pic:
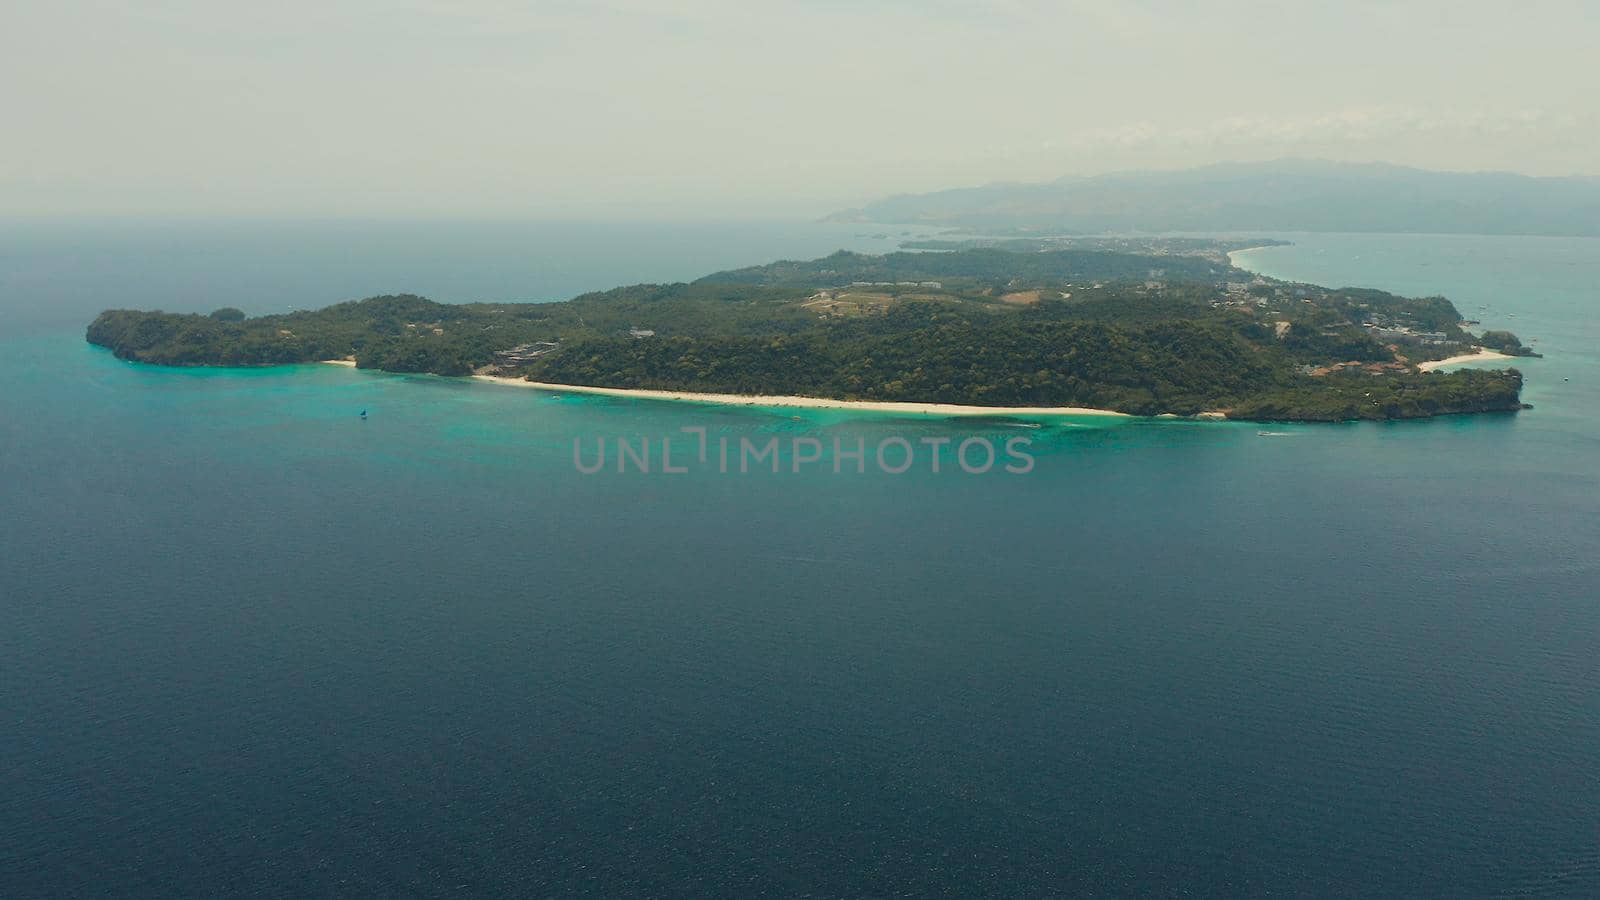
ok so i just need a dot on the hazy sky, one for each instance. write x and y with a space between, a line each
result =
617 108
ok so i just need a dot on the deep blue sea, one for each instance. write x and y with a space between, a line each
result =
251 644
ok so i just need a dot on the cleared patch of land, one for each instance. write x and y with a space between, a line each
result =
848 303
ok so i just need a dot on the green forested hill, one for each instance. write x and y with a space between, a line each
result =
977 266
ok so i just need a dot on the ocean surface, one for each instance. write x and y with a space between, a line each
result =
252 644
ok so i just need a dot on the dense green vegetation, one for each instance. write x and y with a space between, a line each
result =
1506 343
1405 396
930 352
1136 333
406 333
977 266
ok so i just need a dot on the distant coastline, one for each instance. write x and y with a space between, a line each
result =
1283 195
1247 250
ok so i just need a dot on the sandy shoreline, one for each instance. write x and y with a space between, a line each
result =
1480 356
1248 249
938 409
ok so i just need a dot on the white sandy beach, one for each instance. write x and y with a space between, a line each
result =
1480 356
1247 250
939 409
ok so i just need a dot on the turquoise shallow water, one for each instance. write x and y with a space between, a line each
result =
250 643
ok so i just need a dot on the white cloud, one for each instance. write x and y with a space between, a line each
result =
500 106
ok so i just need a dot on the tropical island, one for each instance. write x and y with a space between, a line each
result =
1173 329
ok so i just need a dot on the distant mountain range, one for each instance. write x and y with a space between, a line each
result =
1285 195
